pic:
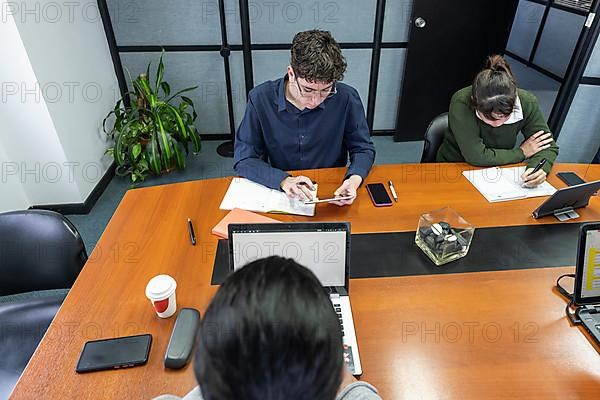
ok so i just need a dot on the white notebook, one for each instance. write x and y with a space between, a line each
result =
252 196
502 184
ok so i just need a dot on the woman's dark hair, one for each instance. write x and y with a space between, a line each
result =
269 333
317 57
494 89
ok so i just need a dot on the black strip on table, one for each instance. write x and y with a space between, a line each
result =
378 255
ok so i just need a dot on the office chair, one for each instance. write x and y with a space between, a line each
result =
41 255
433 137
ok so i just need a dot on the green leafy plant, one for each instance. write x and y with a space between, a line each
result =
151 134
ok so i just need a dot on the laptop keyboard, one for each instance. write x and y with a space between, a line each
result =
338 311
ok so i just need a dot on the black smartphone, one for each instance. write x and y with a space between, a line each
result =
570 178
123 352
379 195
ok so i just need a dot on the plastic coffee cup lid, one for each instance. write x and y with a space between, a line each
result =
160 287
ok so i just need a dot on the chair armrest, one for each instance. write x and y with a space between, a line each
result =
23 323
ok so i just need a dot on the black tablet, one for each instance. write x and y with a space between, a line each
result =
571 197
587 274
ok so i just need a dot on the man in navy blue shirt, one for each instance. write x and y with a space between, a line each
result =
305 120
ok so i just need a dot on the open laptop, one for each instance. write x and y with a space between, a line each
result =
587 279
322 247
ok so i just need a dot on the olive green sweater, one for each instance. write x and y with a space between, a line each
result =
470 139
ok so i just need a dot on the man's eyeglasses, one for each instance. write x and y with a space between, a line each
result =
323 94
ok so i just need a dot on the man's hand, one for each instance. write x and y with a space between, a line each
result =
298 187
532 180
536 143
348 188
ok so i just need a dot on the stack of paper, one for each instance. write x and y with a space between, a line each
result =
251 196
502 184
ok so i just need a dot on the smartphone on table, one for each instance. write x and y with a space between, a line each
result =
379 195
570 178
122 352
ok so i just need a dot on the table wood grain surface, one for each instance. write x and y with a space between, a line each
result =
484 335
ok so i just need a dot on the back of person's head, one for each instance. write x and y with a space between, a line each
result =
317 57
270 332
494 90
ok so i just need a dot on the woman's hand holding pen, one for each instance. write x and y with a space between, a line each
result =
536 143
533 179
534 176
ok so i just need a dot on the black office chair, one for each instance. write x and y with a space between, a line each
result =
434 135
41 255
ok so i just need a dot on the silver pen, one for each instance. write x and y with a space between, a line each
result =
394 195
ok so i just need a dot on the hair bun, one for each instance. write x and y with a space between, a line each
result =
496 63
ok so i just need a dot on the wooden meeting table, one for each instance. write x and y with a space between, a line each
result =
484 335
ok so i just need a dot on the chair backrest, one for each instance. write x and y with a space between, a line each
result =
433 137
39 250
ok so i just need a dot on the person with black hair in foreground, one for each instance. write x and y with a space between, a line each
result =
485 118
271 333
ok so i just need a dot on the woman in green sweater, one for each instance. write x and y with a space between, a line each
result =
484 120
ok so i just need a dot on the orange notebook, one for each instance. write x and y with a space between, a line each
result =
238 216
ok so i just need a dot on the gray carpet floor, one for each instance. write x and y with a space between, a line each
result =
209 164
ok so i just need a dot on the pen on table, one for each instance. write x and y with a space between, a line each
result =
191 230
394 195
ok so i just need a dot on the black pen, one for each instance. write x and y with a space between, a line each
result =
538 167
309 188
306 184
191 229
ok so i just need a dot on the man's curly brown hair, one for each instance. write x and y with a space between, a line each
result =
317 57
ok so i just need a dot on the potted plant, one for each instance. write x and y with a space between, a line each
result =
151 134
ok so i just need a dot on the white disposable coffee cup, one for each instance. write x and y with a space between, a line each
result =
161 292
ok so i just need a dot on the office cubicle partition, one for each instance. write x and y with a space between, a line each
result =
253 37
372 33
580 131
550 44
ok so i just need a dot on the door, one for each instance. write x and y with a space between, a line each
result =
448 44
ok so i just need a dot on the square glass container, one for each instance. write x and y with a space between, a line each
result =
444 235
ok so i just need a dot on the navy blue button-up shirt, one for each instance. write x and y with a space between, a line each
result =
275 136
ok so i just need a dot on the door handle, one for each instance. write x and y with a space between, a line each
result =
420 22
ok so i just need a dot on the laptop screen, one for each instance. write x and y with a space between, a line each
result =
320 248
590 277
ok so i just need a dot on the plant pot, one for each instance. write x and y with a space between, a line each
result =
171 168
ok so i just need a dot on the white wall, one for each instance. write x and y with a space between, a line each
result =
28 136
12 197
58 84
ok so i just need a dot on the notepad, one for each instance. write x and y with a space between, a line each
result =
251 196
503 184
237 216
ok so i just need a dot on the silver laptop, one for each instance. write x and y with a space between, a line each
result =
322 247
587 279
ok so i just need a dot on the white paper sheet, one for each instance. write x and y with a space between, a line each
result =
251 196
503 184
